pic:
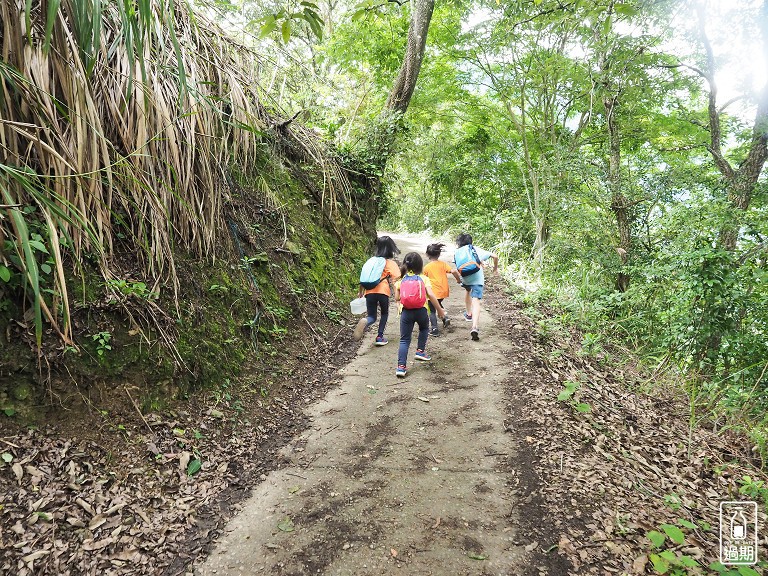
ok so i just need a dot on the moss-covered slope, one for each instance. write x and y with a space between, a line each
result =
283 265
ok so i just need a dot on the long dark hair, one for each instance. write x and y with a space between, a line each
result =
463 239
412 262
434 250
385 247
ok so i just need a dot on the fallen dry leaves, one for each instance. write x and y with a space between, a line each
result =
71 508
621 468
67 510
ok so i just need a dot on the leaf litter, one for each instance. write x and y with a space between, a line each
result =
615 470
150 503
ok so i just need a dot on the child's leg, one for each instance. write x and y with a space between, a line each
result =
384 305
468 302
432 316
475 312
477 295
371 303
406 330
422 318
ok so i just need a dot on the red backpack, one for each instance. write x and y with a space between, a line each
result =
413 292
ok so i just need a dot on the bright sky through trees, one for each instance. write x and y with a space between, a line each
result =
733 31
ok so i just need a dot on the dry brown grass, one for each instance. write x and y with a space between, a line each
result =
117 122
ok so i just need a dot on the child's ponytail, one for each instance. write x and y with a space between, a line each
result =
412 262
434 250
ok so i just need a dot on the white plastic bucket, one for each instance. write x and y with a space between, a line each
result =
358 306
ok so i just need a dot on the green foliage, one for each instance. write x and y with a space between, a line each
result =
753 488
669 561
132 288
736 571
102 340
284 19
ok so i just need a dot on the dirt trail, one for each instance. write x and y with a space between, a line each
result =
394 476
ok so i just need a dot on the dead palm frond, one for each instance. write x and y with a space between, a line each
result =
124 114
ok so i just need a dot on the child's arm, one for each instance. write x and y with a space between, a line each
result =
495 262
397 292
394 270
435 303
360 291
455 273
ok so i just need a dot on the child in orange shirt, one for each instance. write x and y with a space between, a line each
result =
437 271
378 298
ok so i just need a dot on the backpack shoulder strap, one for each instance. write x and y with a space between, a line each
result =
474 255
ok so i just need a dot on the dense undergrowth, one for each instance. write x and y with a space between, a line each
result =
161 231
625 328
277 259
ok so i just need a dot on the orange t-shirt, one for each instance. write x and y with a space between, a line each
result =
436 271
392 270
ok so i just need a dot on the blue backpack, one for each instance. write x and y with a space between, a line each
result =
467 260
373 268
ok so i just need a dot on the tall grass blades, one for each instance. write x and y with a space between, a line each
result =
121 119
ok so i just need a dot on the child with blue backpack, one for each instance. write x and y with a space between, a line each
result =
469 263
413 292
378 271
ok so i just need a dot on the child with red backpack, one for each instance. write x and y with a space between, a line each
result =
413 291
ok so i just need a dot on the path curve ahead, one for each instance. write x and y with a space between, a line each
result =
393 476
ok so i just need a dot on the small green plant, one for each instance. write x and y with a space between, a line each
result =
753 488
247 262
333 315
549 329
722 570
673 501
670 561
277 311
667 561
566 395
132 288
590 344
217 289
222 394
102 340
570 388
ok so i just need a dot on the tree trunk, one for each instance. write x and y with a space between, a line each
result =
740 182
405 83
540 243
619 202
382 138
